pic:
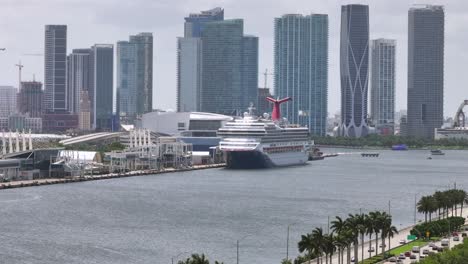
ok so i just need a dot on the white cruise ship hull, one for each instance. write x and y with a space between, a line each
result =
266 157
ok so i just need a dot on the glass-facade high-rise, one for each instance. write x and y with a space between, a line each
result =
229 69
189 59
103 77
188 74
382 90
126 80
301 69
354 70
78 78
135 76
55 54
425 70
144 71
194 23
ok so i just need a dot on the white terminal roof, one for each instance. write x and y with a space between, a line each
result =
209 116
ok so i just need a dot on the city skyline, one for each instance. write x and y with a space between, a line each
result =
258 24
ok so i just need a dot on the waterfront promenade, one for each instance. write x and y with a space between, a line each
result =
394 242
48 181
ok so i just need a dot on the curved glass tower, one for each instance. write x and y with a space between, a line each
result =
354 70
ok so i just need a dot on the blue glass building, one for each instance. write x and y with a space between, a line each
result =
301 69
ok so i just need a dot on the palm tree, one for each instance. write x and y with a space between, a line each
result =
340 244
391 231
361 228
385 222
352 225
424 206
374 218
318 236
329 247
370 226
307 244
433 207
196 259
465 200
338 226
439 196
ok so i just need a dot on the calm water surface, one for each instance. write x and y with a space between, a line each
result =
149 219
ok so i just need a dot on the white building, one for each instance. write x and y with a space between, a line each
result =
382 85
7 101
173 123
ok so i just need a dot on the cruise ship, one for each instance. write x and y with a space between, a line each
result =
261 142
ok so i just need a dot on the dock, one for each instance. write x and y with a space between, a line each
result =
49 181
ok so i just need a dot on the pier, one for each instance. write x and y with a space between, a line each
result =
71 179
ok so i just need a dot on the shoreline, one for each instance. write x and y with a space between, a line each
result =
389 148
72 179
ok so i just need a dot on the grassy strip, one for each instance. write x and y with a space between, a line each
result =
408 247
375 259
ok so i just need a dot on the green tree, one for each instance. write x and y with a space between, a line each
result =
307 244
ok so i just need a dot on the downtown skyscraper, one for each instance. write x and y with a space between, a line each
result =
135 76
382 85
354 70
229 68
80 86
425 70
217 65
55 54
189 59
301 69
102 74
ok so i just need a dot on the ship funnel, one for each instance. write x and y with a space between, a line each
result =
276 113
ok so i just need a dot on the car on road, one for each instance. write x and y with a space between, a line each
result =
422 256
440 249
445 242
382 246
415 249
464 235
399 261
402 242
456 238
425 251
371 249
392 259
402 256
352 259
413 256
407 254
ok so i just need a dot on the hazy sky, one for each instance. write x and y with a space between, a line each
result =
107 21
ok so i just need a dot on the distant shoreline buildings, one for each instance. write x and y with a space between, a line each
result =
217 72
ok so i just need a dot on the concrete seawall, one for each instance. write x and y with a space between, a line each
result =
48 181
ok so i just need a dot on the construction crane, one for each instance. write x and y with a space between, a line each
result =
20 67
265 75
